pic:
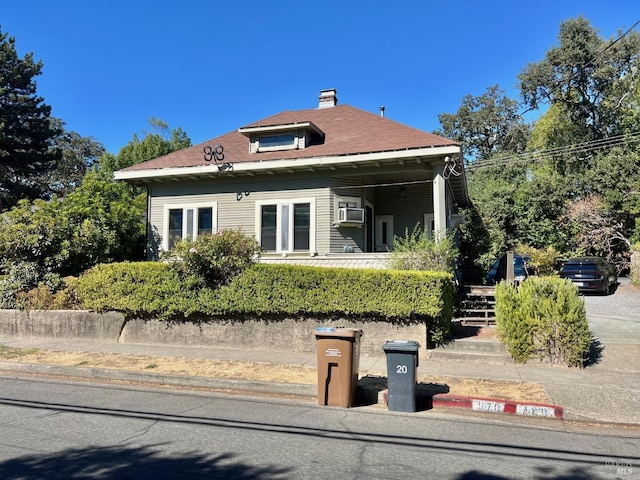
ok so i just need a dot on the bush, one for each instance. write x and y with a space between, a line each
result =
155 290
22 277
138 290
214 259
416 251
543 262
544 318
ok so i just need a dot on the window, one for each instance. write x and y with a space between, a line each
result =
275 141
187 222
286 226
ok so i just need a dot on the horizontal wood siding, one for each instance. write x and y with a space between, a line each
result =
406 210
236 209
343 236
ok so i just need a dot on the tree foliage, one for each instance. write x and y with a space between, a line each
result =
160 141
487 125
574 187
588 76
27 132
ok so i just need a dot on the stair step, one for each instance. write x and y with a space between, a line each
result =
470 356
475 345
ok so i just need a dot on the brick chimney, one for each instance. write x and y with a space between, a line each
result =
328 98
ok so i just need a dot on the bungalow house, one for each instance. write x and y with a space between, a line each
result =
329 183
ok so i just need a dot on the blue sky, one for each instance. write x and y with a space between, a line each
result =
213 66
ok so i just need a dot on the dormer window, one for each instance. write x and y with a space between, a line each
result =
271 138
277 142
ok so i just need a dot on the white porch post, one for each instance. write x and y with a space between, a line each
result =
439 202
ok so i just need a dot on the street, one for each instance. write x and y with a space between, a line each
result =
53 429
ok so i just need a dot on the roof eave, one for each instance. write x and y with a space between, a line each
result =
287 164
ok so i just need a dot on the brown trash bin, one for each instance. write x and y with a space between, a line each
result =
338 363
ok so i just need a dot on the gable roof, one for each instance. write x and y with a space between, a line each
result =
347 131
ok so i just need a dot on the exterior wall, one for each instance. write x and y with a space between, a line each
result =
235 199
406 210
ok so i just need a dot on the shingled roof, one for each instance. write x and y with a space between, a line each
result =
347 131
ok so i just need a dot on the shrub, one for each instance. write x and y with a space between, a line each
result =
155 290
543 262
22 277
214 259
416 251
143 290
543 317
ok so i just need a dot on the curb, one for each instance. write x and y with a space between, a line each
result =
485 405
439 400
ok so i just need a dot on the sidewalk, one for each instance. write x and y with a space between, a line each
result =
608 391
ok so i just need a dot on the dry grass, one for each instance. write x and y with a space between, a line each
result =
267 372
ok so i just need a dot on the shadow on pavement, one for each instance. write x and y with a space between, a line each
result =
595 352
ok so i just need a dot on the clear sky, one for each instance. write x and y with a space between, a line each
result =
211 66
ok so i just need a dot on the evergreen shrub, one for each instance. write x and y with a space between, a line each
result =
156 290
544 318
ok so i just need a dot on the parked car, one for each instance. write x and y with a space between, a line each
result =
498 271
590 274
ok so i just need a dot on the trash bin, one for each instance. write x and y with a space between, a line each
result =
402 374
338 362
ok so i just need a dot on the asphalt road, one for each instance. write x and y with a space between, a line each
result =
52 430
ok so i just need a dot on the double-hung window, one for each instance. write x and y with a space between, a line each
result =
187 222
286 226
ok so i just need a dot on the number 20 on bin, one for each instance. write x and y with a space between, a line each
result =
401 369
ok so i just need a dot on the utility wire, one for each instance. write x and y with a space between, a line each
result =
539 155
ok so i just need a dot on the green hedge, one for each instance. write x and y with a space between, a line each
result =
154 290
544 318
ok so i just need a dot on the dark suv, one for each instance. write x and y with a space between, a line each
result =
590 274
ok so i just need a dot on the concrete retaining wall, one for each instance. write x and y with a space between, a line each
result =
293 335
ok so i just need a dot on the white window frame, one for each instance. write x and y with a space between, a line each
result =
274 148
185 207
429 219
378 233
279 223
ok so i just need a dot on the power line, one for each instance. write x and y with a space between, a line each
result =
575 149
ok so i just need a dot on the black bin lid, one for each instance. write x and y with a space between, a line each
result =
401 346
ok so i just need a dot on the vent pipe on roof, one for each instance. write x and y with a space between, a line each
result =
382 111
328 98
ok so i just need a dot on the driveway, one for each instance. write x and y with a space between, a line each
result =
615 318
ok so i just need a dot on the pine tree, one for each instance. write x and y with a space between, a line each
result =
27 132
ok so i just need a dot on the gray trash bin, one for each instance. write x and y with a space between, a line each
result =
402 374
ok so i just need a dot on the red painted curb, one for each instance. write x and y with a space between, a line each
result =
491 405
495 405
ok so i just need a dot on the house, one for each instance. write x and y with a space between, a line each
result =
332 182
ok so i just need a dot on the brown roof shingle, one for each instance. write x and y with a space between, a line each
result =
347 130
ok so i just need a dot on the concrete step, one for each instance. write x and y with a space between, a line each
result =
475 345
443 355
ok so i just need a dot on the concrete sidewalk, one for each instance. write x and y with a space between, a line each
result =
607 391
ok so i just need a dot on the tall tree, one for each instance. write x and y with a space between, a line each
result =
27 133
78 155
160 141
487 125
589 78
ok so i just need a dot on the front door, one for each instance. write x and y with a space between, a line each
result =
384 233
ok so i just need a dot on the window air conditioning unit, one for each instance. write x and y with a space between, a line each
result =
351 215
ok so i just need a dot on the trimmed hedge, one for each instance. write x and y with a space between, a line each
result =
544 318
154 290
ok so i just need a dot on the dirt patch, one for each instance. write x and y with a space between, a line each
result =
266 372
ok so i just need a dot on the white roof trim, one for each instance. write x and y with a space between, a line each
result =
279 128
297 163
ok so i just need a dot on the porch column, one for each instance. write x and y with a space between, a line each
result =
439 202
